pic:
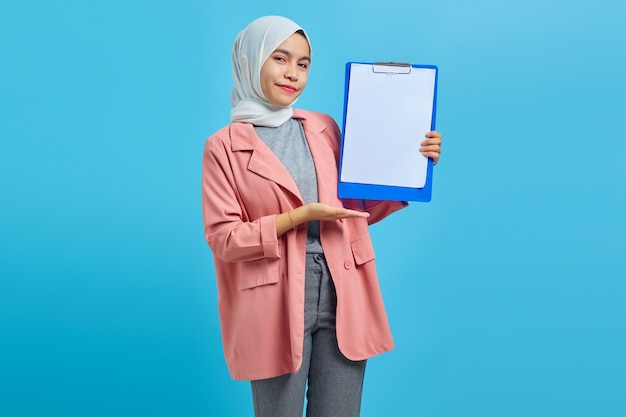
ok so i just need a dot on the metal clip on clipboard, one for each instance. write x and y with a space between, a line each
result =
391 68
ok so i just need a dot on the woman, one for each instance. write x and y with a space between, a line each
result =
299 298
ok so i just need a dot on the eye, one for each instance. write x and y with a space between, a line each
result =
279 59
303 65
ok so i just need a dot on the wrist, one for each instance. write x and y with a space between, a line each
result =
298 216
290 215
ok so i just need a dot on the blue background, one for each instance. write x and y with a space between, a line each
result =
506 293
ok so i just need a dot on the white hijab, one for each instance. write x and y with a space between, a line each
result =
252 47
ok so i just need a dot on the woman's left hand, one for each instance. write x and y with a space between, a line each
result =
431 146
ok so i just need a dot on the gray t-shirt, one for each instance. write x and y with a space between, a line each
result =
289 144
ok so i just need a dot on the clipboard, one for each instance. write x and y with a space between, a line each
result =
388 107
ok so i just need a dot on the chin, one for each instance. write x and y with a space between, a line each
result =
283 103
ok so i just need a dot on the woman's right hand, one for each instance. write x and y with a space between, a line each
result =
325 212
313 211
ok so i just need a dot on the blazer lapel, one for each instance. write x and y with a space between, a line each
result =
262 161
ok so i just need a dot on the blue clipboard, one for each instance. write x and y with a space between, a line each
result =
381 136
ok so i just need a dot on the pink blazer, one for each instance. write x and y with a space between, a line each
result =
260 278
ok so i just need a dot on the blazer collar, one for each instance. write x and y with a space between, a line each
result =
244 138
265 163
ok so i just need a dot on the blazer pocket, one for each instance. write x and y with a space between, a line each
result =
362 250
258 272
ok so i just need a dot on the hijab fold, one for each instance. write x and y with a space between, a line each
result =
252 47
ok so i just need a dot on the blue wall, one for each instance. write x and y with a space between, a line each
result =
506 293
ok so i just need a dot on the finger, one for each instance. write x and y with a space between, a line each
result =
432 155
430 150
354 213
433 134
431 141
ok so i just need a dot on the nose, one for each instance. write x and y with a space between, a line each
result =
291 73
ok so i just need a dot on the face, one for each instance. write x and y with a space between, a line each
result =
285 72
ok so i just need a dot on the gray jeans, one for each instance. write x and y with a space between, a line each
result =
335 383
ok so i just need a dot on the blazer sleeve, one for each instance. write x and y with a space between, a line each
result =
378 209
231 235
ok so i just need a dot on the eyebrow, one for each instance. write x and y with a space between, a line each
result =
286 52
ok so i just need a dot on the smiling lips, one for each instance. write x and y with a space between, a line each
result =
288 88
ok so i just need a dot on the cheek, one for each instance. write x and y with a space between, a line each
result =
265 74
265 83
264 88
304 79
